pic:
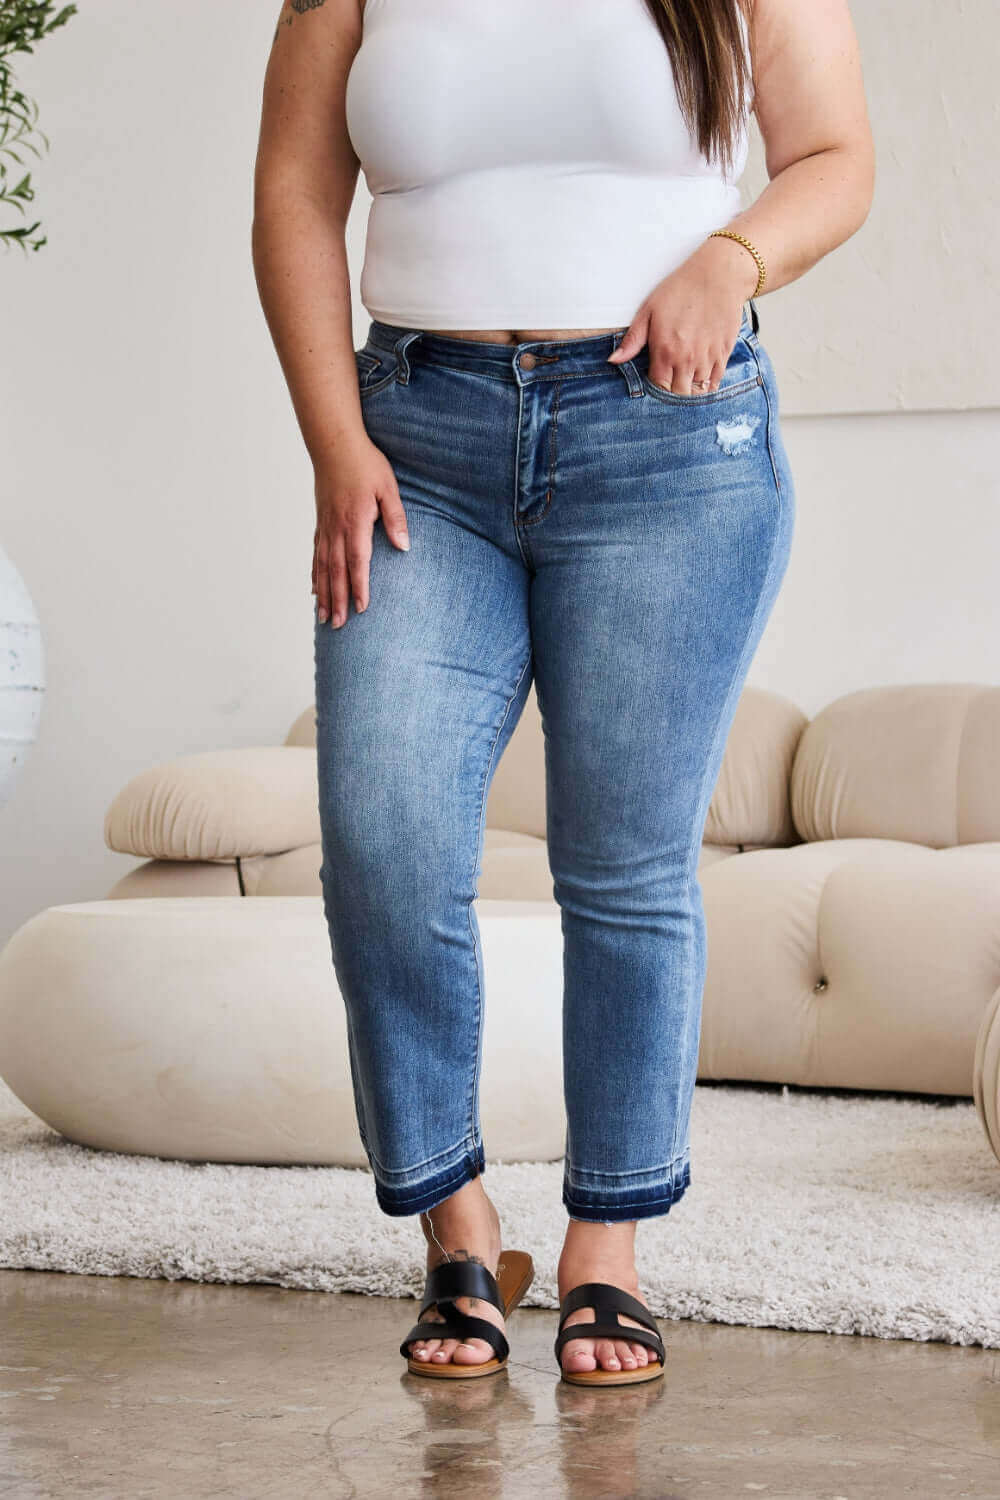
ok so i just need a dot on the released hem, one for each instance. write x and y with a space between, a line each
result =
468 1161
631 1201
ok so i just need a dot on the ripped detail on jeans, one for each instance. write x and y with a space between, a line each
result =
735 434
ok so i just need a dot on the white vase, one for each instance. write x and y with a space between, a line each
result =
22 674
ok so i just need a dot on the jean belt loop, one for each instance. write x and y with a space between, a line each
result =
627 369
400 347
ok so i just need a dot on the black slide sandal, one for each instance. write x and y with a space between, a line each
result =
608 1301
467 1278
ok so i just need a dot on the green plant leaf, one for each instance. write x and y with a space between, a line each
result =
22 24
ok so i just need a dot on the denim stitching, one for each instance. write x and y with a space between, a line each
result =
518 530
403 1200
704 795
710 398
553 447
767 398
380 385
475 946
629 1209
667 1167
462 1145
633 1207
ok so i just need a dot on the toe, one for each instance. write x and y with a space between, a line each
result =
446 1348
626 1358
641 1353
578 1354
605 1352
475 1352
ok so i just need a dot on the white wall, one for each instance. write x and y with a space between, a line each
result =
155 495
902 316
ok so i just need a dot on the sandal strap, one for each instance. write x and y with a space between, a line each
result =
608 1301
461 1278
610 1331
457 1325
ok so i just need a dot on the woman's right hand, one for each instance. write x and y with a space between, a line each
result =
352 492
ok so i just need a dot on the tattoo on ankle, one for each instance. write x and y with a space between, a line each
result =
467 1255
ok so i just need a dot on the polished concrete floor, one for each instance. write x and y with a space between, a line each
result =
122 1387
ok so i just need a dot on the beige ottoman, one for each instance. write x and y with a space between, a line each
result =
212 1029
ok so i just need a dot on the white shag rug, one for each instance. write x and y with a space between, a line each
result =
831 1212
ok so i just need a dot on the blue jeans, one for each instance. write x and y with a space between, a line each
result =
576 526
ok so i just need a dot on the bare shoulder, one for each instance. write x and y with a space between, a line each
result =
808 83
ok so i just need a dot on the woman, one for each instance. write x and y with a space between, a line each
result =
556 460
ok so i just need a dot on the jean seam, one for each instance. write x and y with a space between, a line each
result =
704 795
519 536
767 398
461 1175
365 391
553 454
713 398
387 1172
472 933
631 1203
666 1168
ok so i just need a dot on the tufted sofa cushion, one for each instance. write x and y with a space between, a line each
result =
218 805
916 762
852 963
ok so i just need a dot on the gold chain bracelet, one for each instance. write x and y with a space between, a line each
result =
761 271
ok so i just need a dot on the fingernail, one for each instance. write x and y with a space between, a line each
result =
322 616
405 544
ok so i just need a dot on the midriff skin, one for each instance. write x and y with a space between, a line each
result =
521 335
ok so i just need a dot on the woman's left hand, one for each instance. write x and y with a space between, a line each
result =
691 319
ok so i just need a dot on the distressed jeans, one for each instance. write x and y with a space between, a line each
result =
575 526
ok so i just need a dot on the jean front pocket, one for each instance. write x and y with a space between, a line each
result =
377 368
740 375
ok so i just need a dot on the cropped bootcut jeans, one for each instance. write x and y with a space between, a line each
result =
577 526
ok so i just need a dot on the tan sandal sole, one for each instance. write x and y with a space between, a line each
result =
515 1273
614 1377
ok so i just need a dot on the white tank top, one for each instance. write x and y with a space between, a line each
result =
528 163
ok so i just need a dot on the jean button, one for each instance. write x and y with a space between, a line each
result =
528 361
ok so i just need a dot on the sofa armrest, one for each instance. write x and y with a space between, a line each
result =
219 804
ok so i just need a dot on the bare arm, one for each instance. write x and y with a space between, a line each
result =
810 106
305 178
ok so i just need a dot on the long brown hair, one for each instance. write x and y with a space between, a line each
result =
712 70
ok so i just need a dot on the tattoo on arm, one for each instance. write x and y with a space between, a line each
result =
300 7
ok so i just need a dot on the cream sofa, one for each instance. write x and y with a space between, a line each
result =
851 881
850 872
